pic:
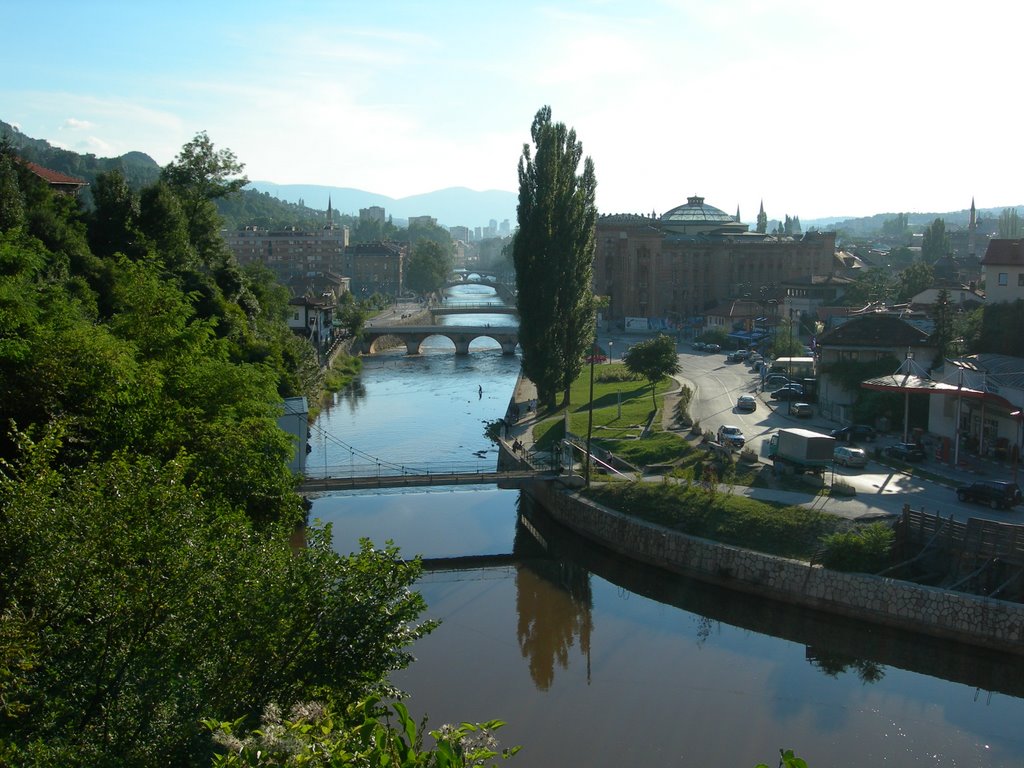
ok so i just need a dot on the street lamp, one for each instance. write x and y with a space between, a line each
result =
590 413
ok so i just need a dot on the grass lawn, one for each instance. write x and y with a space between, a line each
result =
775 529
622 407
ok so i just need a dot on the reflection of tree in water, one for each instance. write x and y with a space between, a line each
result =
835 664
353 394
553 603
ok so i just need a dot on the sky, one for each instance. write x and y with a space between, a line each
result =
817 108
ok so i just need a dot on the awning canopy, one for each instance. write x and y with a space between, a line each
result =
911 384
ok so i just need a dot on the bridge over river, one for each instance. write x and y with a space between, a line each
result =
460 335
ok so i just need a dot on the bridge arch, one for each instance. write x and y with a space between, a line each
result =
460 335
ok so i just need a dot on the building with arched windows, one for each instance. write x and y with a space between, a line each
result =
674 268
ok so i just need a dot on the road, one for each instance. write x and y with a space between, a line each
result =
717 383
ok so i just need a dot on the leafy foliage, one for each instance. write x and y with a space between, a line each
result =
148 572
865 551
553 253
314 736
428 267
737 520
654 359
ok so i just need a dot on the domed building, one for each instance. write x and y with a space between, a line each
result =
677 268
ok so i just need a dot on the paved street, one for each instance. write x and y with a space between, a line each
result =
880 488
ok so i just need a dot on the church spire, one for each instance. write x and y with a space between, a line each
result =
972 229
330 214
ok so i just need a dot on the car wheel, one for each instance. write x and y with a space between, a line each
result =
961 495
994 504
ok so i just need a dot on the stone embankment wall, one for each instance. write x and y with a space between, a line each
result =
979 621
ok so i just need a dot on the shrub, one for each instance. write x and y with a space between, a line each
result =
861 551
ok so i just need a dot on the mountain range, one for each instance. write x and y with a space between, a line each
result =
454 206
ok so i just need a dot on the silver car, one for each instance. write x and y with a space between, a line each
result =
849 456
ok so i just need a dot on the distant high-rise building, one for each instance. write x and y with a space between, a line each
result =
373 213
459 233
506 228
422 221
478 233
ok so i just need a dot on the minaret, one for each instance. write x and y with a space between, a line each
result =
972 229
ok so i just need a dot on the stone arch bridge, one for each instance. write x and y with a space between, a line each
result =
460 335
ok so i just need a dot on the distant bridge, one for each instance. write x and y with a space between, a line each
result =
460 335
476 308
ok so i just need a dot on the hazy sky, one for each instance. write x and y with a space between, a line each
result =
819 108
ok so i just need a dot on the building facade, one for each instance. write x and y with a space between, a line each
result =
673 268
1003 267
290 253
375 268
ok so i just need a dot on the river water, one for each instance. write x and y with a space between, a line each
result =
593 661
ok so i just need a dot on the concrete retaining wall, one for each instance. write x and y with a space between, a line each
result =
980 621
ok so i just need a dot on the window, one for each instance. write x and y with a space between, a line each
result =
1003 278
1020 279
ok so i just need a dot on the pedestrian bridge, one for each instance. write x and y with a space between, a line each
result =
384 474
460 335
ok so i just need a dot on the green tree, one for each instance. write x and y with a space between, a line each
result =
936 242
199 175
943 332
12 208
654 359
896 228
113 225
553 254
1010 225
873 285
149 606
428 268
914 279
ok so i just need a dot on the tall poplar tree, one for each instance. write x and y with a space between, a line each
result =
553 254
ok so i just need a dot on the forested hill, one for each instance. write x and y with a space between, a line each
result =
148 576
249 207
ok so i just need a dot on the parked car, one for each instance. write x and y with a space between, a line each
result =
849 456
854 433
803 410
699 345
998 494
776 380
746 403
788 392
905 452
713 347
731 436
738 356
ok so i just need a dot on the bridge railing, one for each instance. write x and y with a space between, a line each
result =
392 470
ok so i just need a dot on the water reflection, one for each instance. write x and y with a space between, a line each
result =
833 644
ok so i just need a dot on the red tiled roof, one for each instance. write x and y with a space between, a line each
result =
1004 252
53 177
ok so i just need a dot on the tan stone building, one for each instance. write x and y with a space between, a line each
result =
289 253
673 268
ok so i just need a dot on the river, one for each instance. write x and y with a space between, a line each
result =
594 661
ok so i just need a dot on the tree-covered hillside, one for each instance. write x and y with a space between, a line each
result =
148 577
